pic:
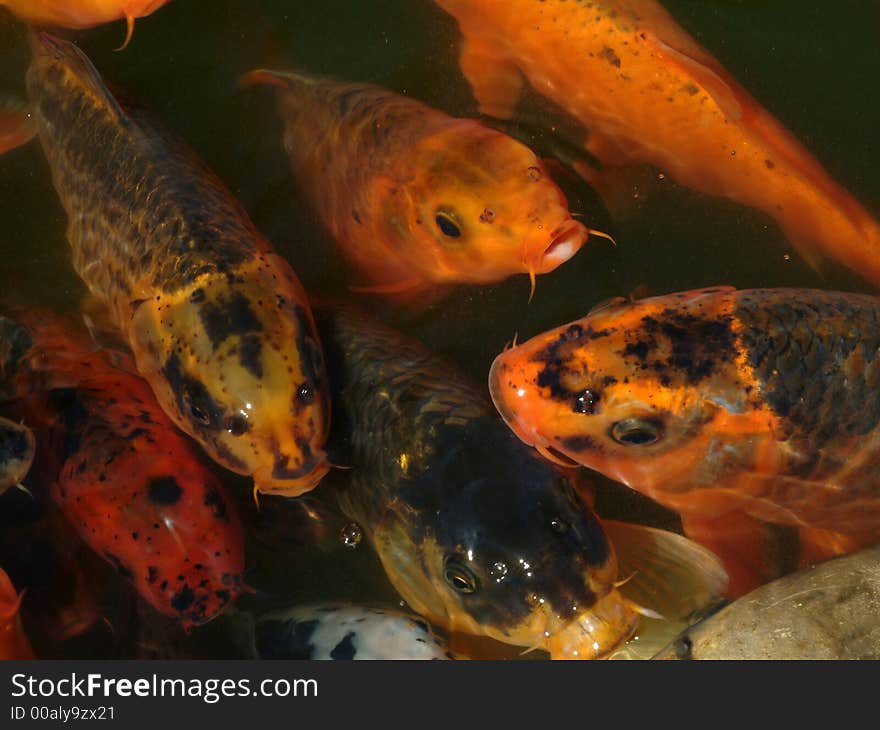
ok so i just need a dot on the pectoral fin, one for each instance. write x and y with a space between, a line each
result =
663 571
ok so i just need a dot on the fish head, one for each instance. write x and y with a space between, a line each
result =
236 362
653 393
500 544
141 497
477 206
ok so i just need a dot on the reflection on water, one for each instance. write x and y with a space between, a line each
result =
812 67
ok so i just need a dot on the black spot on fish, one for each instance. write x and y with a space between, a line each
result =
345 648
215 501
698 345
250 354
152 574
639 349
609 55
164 490
223 596
579 444
183 599
193 399
132 435
226 318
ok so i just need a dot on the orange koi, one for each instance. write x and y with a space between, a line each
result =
649 93
416 199
81 14
736 408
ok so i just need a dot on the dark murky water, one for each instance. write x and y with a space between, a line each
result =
815 68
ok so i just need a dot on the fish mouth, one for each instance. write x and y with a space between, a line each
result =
566 241
305 479
598 632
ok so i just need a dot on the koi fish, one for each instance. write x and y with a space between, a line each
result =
343 632
218 322
735 408
81 14
477 534
827 611
649 93
14 643
416 199
131 485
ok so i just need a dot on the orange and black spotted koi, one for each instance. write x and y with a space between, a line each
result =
133 487
736 408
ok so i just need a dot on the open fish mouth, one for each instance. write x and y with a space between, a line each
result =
598 632
268 481
566 241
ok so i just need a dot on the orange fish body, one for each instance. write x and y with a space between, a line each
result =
132 486
81 14
735 408
649 93
416 199
13 642
218 322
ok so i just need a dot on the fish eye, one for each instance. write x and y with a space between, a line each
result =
459 576
446 223
637 431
